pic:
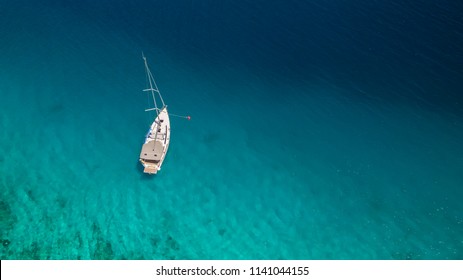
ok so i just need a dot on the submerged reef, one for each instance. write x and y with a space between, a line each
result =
103 249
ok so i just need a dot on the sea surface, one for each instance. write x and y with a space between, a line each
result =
319 129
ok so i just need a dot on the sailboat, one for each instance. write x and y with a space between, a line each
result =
154 149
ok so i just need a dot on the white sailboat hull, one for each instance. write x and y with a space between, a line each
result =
156 144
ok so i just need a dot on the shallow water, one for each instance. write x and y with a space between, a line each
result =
318 131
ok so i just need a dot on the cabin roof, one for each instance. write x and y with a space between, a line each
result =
152 150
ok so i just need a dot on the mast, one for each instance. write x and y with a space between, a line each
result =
152 87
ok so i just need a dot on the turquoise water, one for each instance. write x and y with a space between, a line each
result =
302 144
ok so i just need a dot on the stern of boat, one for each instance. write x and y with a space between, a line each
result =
149 168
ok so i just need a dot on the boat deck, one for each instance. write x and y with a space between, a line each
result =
150 169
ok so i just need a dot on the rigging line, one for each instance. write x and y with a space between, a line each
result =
178 116
150 77
150 114
157 89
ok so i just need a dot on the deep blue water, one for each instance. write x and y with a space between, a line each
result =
319 130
